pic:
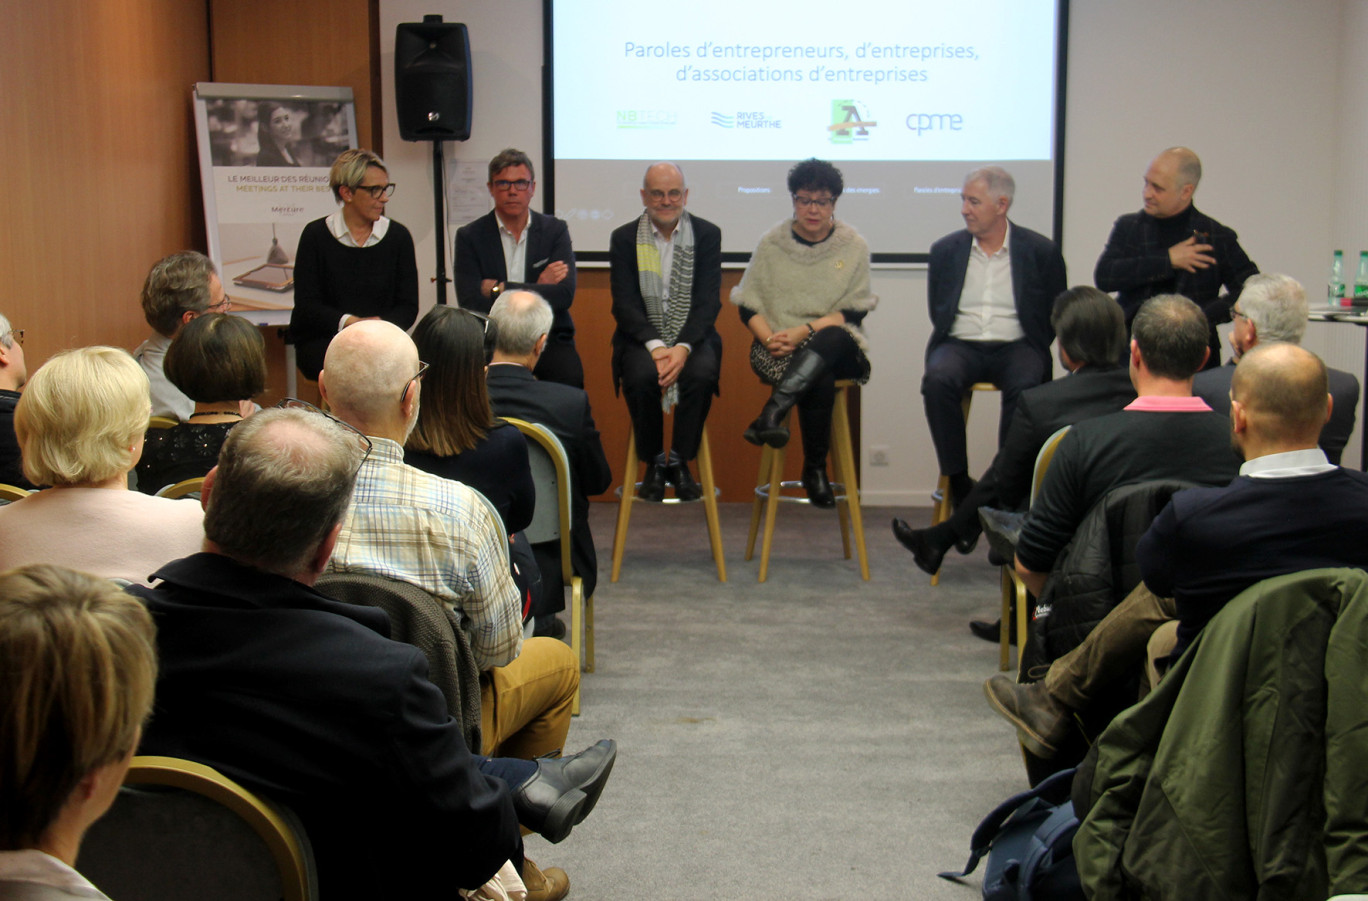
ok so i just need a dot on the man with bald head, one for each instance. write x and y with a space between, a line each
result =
415 527
1289 510
1169 247
667 283
1272 308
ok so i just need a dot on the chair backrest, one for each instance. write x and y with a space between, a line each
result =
551 475
1047 452
420 619
162 422
11 493
180 829
182 489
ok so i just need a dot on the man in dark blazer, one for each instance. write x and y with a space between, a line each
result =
1092 347
1272 308
666 340
524 320
307 700
1171 248
990 288
513 247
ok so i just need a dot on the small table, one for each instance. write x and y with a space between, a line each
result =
1350 316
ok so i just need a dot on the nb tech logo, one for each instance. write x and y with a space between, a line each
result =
850 122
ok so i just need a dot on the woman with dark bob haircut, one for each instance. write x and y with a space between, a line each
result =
457 436
78 666
803 296
219 362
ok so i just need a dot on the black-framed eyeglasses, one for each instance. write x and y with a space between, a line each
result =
378 191
15 334
223 306
521 184
422 371
821 203
294 403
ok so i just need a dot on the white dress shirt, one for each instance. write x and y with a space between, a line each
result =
987 307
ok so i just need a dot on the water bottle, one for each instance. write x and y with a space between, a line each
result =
1361 280
1335 287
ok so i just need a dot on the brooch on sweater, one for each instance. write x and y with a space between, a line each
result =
840 264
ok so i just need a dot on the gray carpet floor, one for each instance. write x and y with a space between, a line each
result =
812 737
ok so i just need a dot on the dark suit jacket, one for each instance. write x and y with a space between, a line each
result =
1045 409
306 700
514 392
479 255
1038 277
1213 386
1135 264
629 309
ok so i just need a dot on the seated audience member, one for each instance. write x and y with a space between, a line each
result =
13 374
1273 308
179 288
1092 349
434 533
457 436
219 362
80 425
1166 433
1289 510
523 321
304 699
80 664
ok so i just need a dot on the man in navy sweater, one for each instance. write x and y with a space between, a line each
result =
1289 510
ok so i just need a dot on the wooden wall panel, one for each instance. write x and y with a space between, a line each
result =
310 42
99 142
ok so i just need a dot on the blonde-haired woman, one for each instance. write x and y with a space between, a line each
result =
80 667
80 424
355 264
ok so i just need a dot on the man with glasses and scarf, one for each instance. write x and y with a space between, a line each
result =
667 282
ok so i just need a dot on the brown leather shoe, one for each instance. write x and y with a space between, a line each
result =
550 884
1042 723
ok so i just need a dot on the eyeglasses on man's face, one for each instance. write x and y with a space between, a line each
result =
521 184
16 335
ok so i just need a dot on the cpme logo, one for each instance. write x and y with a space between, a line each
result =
850 122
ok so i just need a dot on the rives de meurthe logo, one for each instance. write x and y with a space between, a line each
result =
746 119
850 122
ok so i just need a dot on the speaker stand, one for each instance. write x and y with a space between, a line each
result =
439 208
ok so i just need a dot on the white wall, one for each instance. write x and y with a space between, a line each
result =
1252 85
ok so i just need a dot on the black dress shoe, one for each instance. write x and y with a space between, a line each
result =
967 545
563 790
653 485
818 487
928 557
686 489
992 631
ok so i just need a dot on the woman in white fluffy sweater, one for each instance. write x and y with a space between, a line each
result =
803 297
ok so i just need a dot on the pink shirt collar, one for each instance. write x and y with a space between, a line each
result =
1154 404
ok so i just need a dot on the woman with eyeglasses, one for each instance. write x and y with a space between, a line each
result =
804 296
355 264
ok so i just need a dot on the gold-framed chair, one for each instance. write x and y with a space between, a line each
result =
183 488
942 501
162 845
629 497
1013 589
770 486
162 422
551 519
10 493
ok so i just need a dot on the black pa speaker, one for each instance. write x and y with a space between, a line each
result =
432 80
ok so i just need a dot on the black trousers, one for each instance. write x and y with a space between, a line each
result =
641 389
843 359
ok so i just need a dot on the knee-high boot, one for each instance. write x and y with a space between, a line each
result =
816 424
803 371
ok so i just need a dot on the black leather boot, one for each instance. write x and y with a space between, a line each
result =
803 370
817 485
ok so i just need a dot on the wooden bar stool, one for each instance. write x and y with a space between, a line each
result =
769 488
705 475
942 501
